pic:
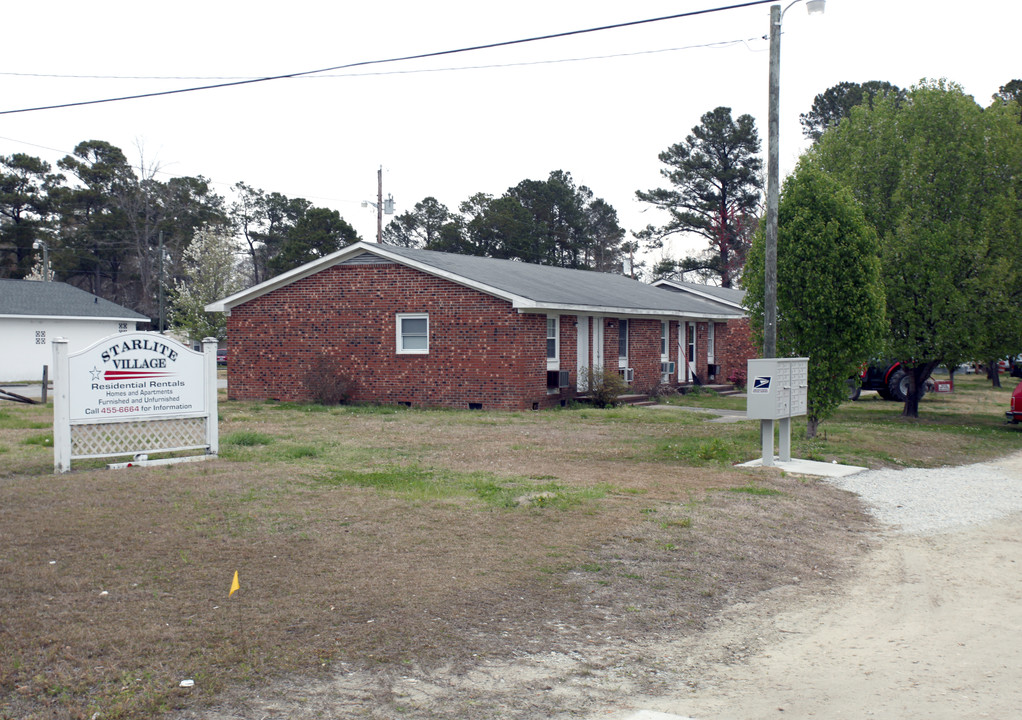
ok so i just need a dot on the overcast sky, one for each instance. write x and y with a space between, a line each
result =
601 106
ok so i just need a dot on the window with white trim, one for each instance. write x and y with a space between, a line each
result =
622 338
552 337
412 333
664 334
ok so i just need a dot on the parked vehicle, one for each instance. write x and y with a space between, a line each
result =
1015 413
889 379
221 357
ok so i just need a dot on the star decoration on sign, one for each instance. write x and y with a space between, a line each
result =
97 374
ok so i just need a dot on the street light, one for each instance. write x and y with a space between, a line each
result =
773 182
46 257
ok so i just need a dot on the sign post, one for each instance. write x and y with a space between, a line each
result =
132 393
778 390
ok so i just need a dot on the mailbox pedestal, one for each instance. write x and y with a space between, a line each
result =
777 390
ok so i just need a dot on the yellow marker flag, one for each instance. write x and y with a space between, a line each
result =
234 584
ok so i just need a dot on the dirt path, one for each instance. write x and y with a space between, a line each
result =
930 628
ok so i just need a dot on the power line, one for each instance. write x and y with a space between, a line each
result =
555 61
366 63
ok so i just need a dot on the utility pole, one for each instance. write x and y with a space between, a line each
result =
161 282
770 236
379 205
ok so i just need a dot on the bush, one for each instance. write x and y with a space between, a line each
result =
737 378
604 388
326 383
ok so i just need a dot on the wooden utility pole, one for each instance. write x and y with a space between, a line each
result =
379 205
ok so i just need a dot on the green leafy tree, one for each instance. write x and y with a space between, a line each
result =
932 177
92 226
316 232
25 184
548 222
716 184
836 103
212 274
421 227
830 300
1011 92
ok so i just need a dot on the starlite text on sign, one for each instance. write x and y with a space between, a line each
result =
111 353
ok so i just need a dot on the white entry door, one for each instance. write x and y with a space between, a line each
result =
582 354
690 351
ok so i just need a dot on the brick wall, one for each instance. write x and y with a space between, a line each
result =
481 351
734 346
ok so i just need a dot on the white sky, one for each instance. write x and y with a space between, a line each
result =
451 134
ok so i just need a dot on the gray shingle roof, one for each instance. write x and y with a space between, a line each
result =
729 295
529 287
56 299
548 285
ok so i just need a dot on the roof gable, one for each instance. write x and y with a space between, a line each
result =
729 297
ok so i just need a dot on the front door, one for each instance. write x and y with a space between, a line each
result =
690 351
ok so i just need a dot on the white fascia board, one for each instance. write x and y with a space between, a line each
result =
74 317
621 312
340 256
703 295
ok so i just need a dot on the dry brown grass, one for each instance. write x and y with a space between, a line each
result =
383 539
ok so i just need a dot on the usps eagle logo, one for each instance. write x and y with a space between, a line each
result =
761 384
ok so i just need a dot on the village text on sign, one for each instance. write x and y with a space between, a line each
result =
135 376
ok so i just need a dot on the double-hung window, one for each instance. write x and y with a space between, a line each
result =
553 349
412 334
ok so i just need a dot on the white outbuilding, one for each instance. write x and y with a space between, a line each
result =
33 312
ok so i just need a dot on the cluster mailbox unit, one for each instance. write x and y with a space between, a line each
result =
777 390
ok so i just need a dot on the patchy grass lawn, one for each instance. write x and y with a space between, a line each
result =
385 538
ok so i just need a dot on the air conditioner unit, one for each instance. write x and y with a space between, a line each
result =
627 373
556 379
667 368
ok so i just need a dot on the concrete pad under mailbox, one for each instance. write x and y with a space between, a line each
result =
809 467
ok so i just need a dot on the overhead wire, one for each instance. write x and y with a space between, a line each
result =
366 63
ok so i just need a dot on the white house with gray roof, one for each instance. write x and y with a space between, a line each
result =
423 327
32 313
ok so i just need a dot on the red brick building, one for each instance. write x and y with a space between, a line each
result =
733 345
427 328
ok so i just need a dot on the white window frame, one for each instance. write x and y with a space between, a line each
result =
710 342
399 341
665 337
623 331
554 321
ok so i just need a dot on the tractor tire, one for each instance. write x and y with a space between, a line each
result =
897 386
854 390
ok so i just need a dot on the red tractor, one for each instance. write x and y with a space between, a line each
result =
889 380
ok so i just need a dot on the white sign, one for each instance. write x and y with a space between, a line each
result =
133 376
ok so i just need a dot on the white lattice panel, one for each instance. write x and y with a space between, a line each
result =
105 439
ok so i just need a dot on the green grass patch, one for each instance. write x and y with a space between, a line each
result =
298 452
12 421
44 439
754 490
248 438
700 451
418 483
